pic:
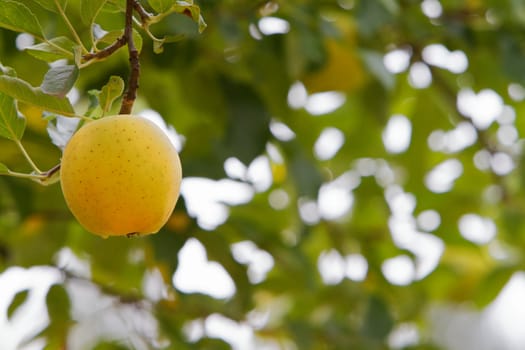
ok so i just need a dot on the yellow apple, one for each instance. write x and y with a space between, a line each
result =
121 175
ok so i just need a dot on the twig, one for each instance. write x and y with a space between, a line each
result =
133 82
109 50
51 171
144 15
106 51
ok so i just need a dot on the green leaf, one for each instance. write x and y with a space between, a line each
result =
374 62
109 345
492 284
3 169
378 322
372 15
59 80
53 49
158 45
160 5
115 6
110 37
50 5
77 53
18 300
248 130
11 125
93 111
110 92
58 308
137 40
21 90
19 18
306 175
194 12
90 9
186 8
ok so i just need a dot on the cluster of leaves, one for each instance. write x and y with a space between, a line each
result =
223 91
73 55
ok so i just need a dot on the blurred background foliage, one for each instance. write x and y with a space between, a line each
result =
353 178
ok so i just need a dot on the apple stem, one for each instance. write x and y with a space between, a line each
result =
133 82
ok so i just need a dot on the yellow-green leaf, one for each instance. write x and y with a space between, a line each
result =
58 308
19 299
21 90
12 126
110 37
19 18
492 284
186 8
110 92
50 4
3 169
158 45
53 49
161 5
90 9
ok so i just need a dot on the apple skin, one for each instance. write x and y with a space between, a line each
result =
120 175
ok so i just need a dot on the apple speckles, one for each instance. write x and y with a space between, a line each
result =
128 174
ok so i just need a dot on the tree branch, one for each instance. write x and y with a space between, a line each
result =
123 40
133 82
144 15
106 51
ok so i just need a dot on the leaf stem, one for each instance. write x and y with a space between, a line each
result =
44 178
52 171
24 175
133 82
27 157
70 26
